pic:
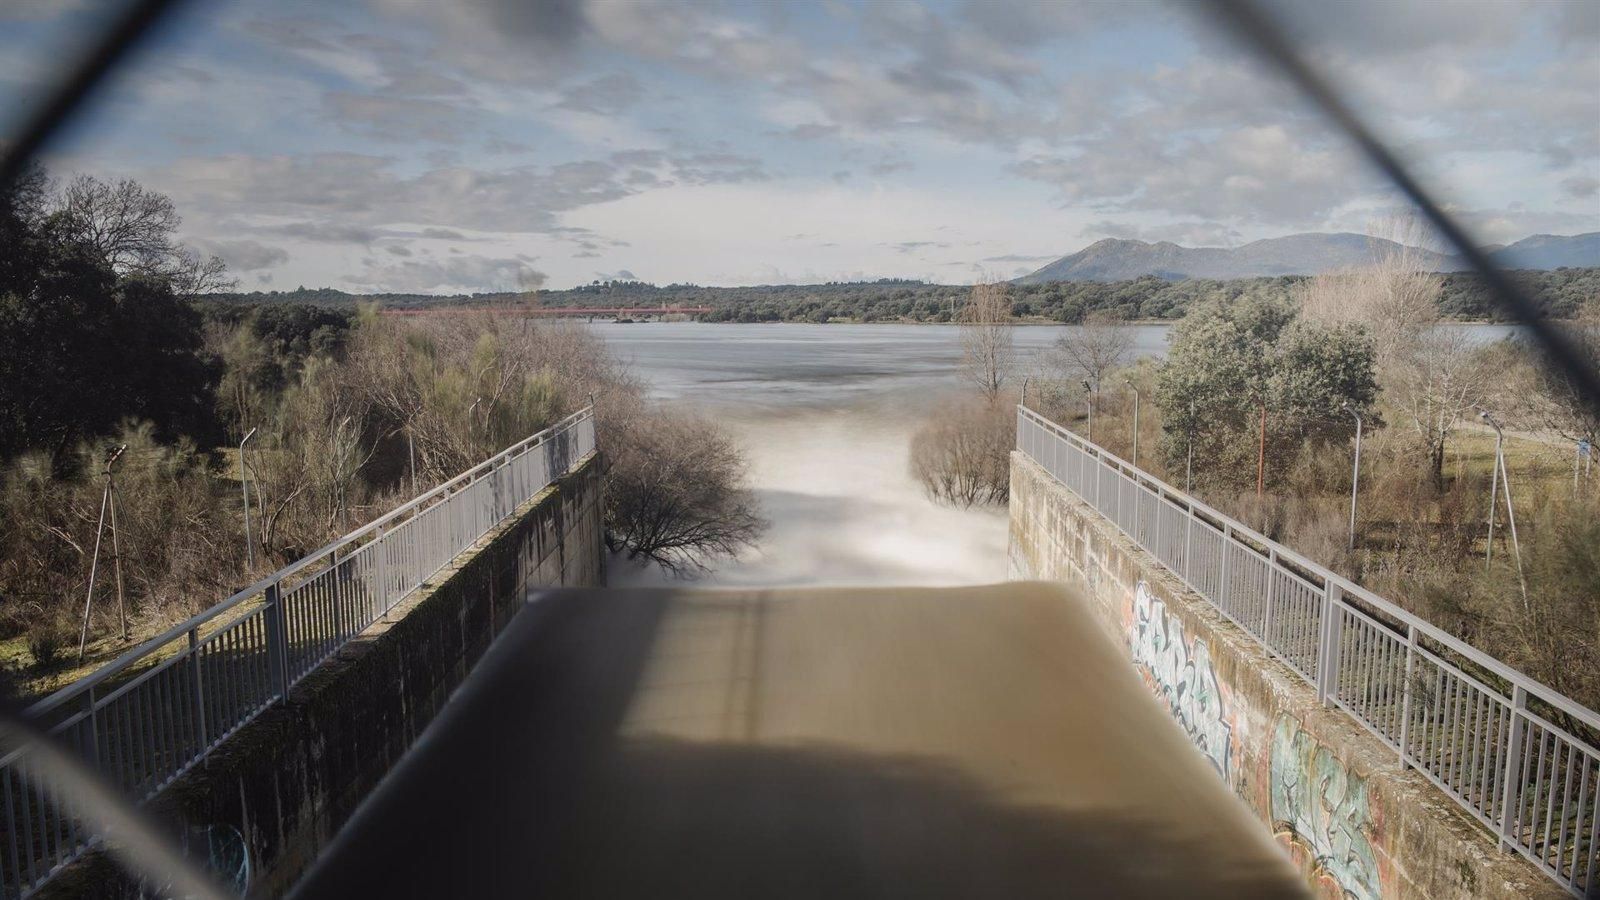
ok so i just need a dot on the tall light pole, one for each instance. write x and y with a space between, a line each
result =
1136 398
244 486
1355 472
1088 398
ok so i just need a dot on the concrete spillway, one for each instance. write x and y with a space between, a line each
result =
976 742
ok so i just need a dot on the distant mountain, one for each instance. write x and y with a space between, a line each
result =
1116 259
1551 251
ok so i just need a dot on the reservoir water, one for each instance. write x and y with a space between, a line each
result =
826 413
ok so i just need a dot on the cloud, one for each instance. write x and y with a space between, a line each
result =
465 273
1017 257
242 255
607 95
350 194
1581 187
329 232
1189 234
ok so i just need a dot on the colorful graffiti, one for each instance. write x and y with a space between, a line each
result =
1181 673
1323 810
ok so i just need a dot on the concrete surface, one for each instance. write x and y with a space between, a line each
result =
264 804
1354 820
964 742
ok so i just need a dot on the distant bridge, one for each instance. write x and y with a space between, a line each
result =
588 312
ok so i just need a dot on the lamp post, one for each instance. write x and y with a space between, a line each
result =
244 487
1136 398
1355 473
1088 399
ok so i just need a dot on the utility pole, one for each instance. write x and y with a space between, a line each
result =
1355 473
112 456
1511 512
116 548
1136 399
244 487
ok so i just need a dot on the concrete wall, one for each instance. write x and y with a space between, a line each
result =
258 810
1338 800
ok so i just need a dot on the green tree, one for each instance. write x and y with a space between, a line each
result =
1232 360
82 347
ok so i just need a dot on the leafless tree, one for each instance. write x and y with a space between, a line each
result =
134 230
1102 343
1432 372
1554 402
962 454
675 492
988 355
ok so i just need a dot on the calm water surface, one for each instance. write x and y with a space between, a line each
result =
826 414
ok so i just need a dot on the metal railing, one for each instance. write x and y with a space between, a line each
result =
158 709
1518 756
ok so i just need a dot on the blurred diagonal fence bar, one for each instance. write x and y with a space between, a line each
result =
1517 755
150 715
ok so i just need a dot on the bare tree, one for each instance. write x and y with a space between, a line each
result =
675 492
1090 351
1433 373
134 230
988 356
962 454
1555 402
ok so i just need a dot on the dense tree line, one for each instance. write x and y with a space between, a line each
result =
1560 293
108 339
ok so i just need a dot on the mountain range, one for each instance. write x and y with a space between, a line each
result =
1120 259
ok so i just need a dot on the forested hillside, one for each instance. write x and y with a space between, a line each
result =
1559 292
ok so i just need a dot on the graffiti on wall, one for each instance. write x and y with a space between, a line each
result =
1180 672
220 850
1323 811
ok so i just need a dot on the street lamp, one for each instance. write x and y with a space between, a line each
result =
1355 472
244 487
1136 399
1088 399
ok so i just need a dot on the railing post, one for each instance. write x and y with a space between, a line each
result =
1328 655
1221 600
1137 505
94 730
277 642
1511 790
1272 586
1188 542
202 736
380 570
336 594
1405 696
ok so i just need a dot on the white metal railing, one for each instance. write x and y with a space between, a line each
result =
158 709
1518 756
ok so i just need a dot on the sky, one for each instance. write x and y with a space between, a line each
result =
492 145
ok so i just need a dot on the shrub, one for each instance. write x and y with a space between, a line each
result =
962 456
